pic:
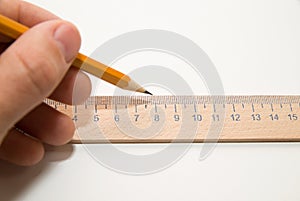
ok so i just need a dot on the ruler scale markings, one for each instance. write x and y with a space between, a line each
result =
248 126
95 108
272 109
135 108
202 99
75 109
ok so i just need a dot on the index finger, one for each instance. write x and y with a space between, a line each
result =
23 12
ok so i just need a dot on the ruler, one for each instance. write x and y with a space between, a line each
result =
164 119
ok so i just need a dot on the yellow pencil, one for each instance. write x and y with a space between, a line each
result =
13 29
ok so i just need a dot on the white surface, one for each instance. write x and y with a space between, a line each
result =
255 47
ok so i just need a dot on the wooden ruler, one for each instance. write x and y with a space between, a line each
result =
140 119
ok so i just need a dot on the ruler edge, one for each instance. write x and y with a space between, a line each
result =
223 141
200 99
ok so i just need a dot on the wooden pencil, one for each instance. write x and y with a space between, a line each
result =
13 29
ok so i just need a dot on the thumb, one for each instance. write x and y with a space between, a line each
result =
32 67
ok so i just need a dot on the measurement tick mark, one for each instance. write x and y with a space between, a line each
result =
291 107
272 107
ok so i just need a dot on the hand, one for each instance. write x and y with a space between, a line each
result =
36 66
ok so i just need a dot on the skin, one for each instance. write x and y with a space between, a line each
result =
34 67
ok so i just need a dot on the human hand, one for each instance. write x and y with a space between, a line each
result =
36 66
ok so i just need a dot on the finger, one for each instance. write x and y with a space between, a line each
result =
74 89
23 12
21 149
32 67
48 125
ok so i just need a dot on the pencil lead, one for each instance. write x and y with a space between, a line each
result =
147 92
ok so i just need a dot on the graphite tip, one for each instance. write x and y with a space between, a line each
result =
147 92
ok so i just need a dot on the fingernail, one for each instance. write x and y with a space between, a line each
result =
68 41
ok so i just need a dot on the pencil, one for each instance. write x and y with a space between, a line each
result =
13 29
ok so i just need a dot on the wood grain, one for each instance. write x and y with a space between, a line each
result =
158 119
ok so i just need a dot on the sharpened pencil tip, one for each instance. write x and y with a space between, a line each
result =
147 92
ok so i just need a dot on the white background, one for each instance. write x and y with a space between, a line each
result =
255 47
